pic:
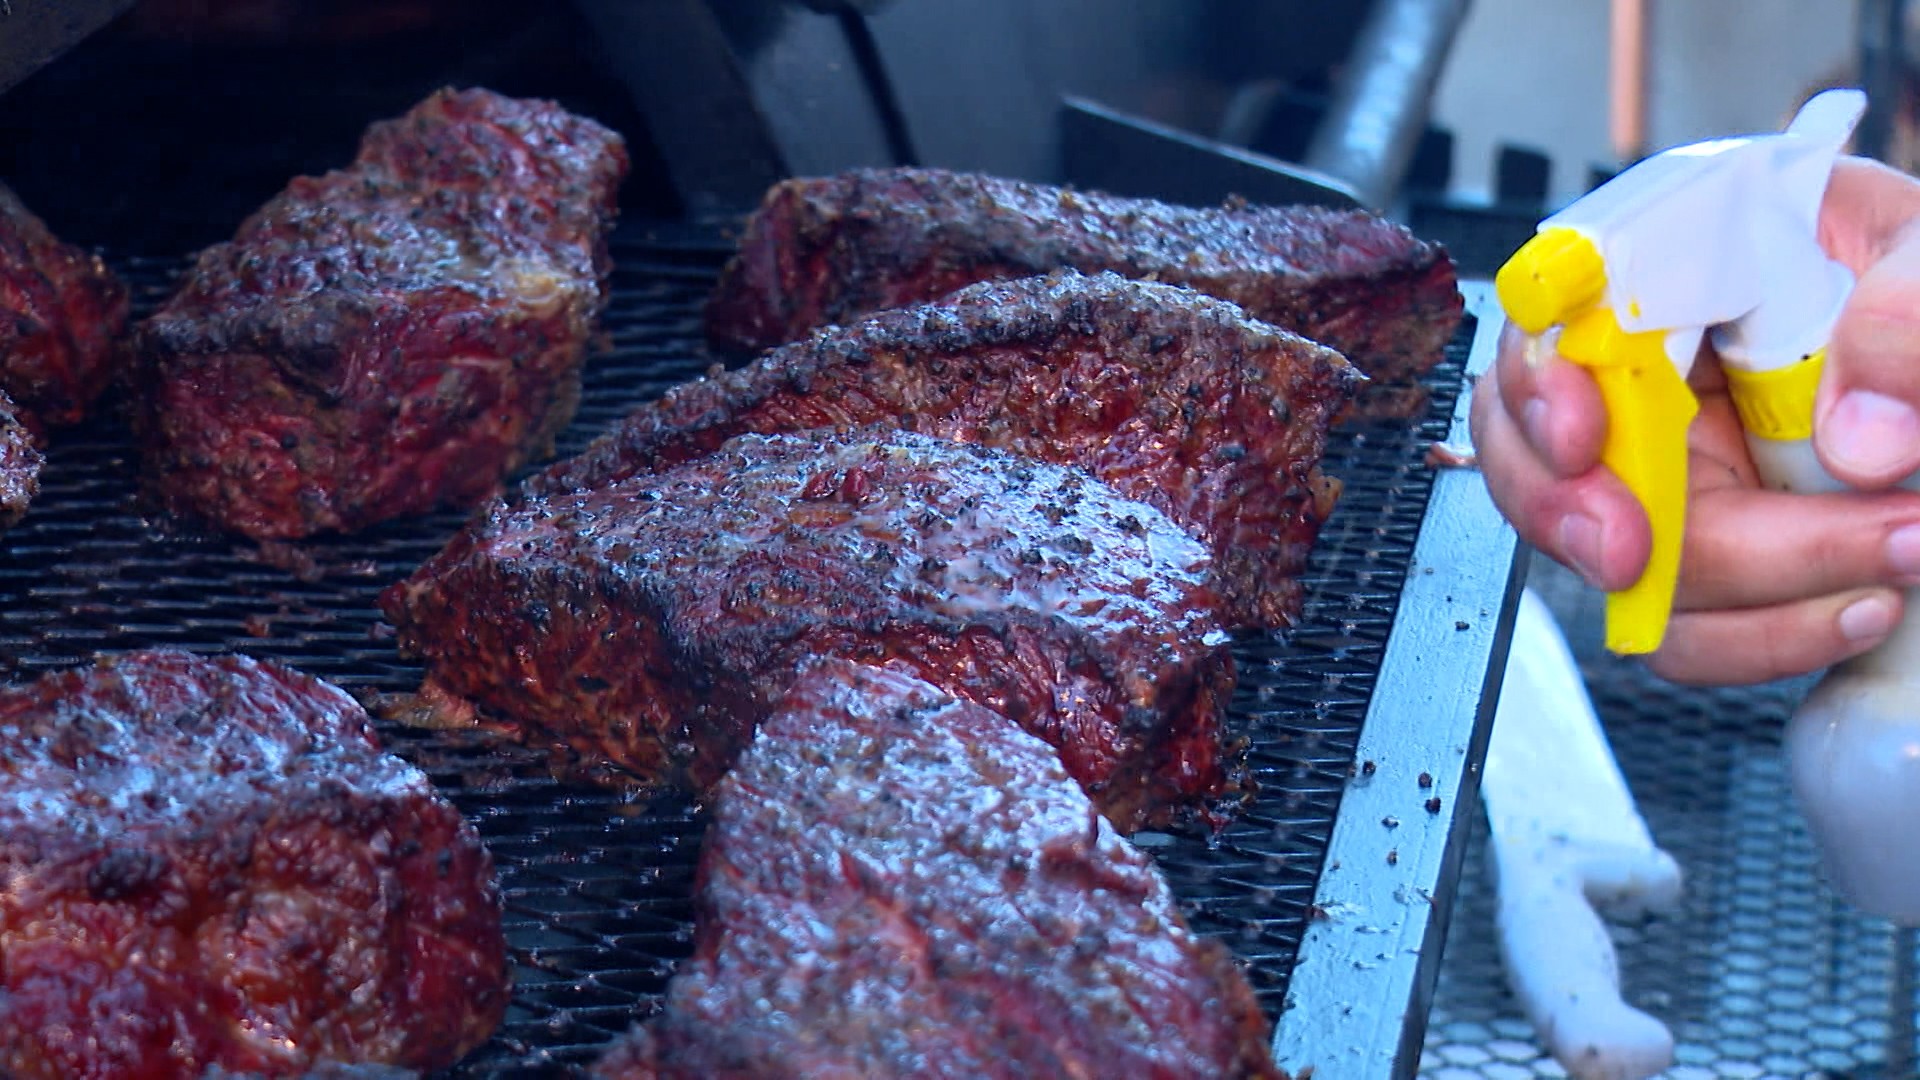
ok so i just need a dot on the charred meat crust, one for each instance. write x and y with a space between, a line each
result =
63 316
828 250
901 883
389 337
20 462
209 861
1172 397
650 623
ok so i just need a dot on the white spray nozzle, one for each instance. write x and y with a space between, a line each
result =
1712 233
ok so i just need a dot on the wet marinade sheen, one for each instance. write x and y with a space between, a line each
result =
900 883
209 861
650 623
62 316
831 249
389 337
1173 398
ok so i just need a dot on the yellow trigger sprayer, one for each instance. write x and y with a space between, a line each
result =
1714 237
1721 238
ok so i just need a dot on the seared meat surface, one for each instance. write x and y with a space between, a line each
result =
650 623
392 336
899 883
1173 398
210 862
62 314
20 462
828 250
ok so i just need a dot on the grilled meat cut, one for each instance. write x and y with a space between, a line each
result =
899 883
209 861
62 319
649 623
392 336
20 462
828 250
1173 398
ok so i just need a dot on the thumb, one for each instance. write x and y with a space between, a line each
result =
1867 414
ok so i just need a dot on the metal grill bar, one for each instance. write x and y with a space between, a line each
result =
1763 971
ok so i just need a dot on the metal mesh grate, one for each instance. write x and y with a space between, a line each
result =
598 887
1762 972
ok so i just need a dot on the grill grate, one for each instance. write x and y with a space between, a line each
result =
1762 971
598 886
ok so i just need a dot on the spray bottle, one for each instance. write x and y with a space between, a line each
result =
1621 274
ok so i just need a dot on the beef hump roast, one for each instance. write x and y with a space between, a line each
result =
898 882
390 337
649 624
63 318
209 863
1170 396
825 250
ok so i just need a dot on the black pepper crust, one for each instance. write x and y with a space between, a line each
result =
828 250
900 883
210 864
649 624
1172 397
63 317
390 337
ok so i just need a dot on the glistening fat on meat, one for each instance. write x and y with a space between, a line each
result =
210 863
1172 397
831 249
649 624
389 337
901 883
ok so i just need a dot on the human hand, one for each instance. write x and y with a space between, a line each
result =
1771 584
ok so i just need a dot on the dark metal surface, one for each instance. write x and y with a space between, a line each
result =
1103 149
699 105
1385 895
743 93
979 80
1762 971
597 887
1881 37
1381 104
847 7
34 32
821 100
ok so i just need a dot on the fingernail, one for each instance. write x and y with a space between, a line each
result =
1533 418
1580 545
1534 350
1867 619
1871 433
1537 349
1903 551
1511 337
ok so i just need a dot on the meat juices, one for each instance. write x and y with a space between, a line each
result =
651 623
209 861
390 337
899 883
62 316
1172 397
829 250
